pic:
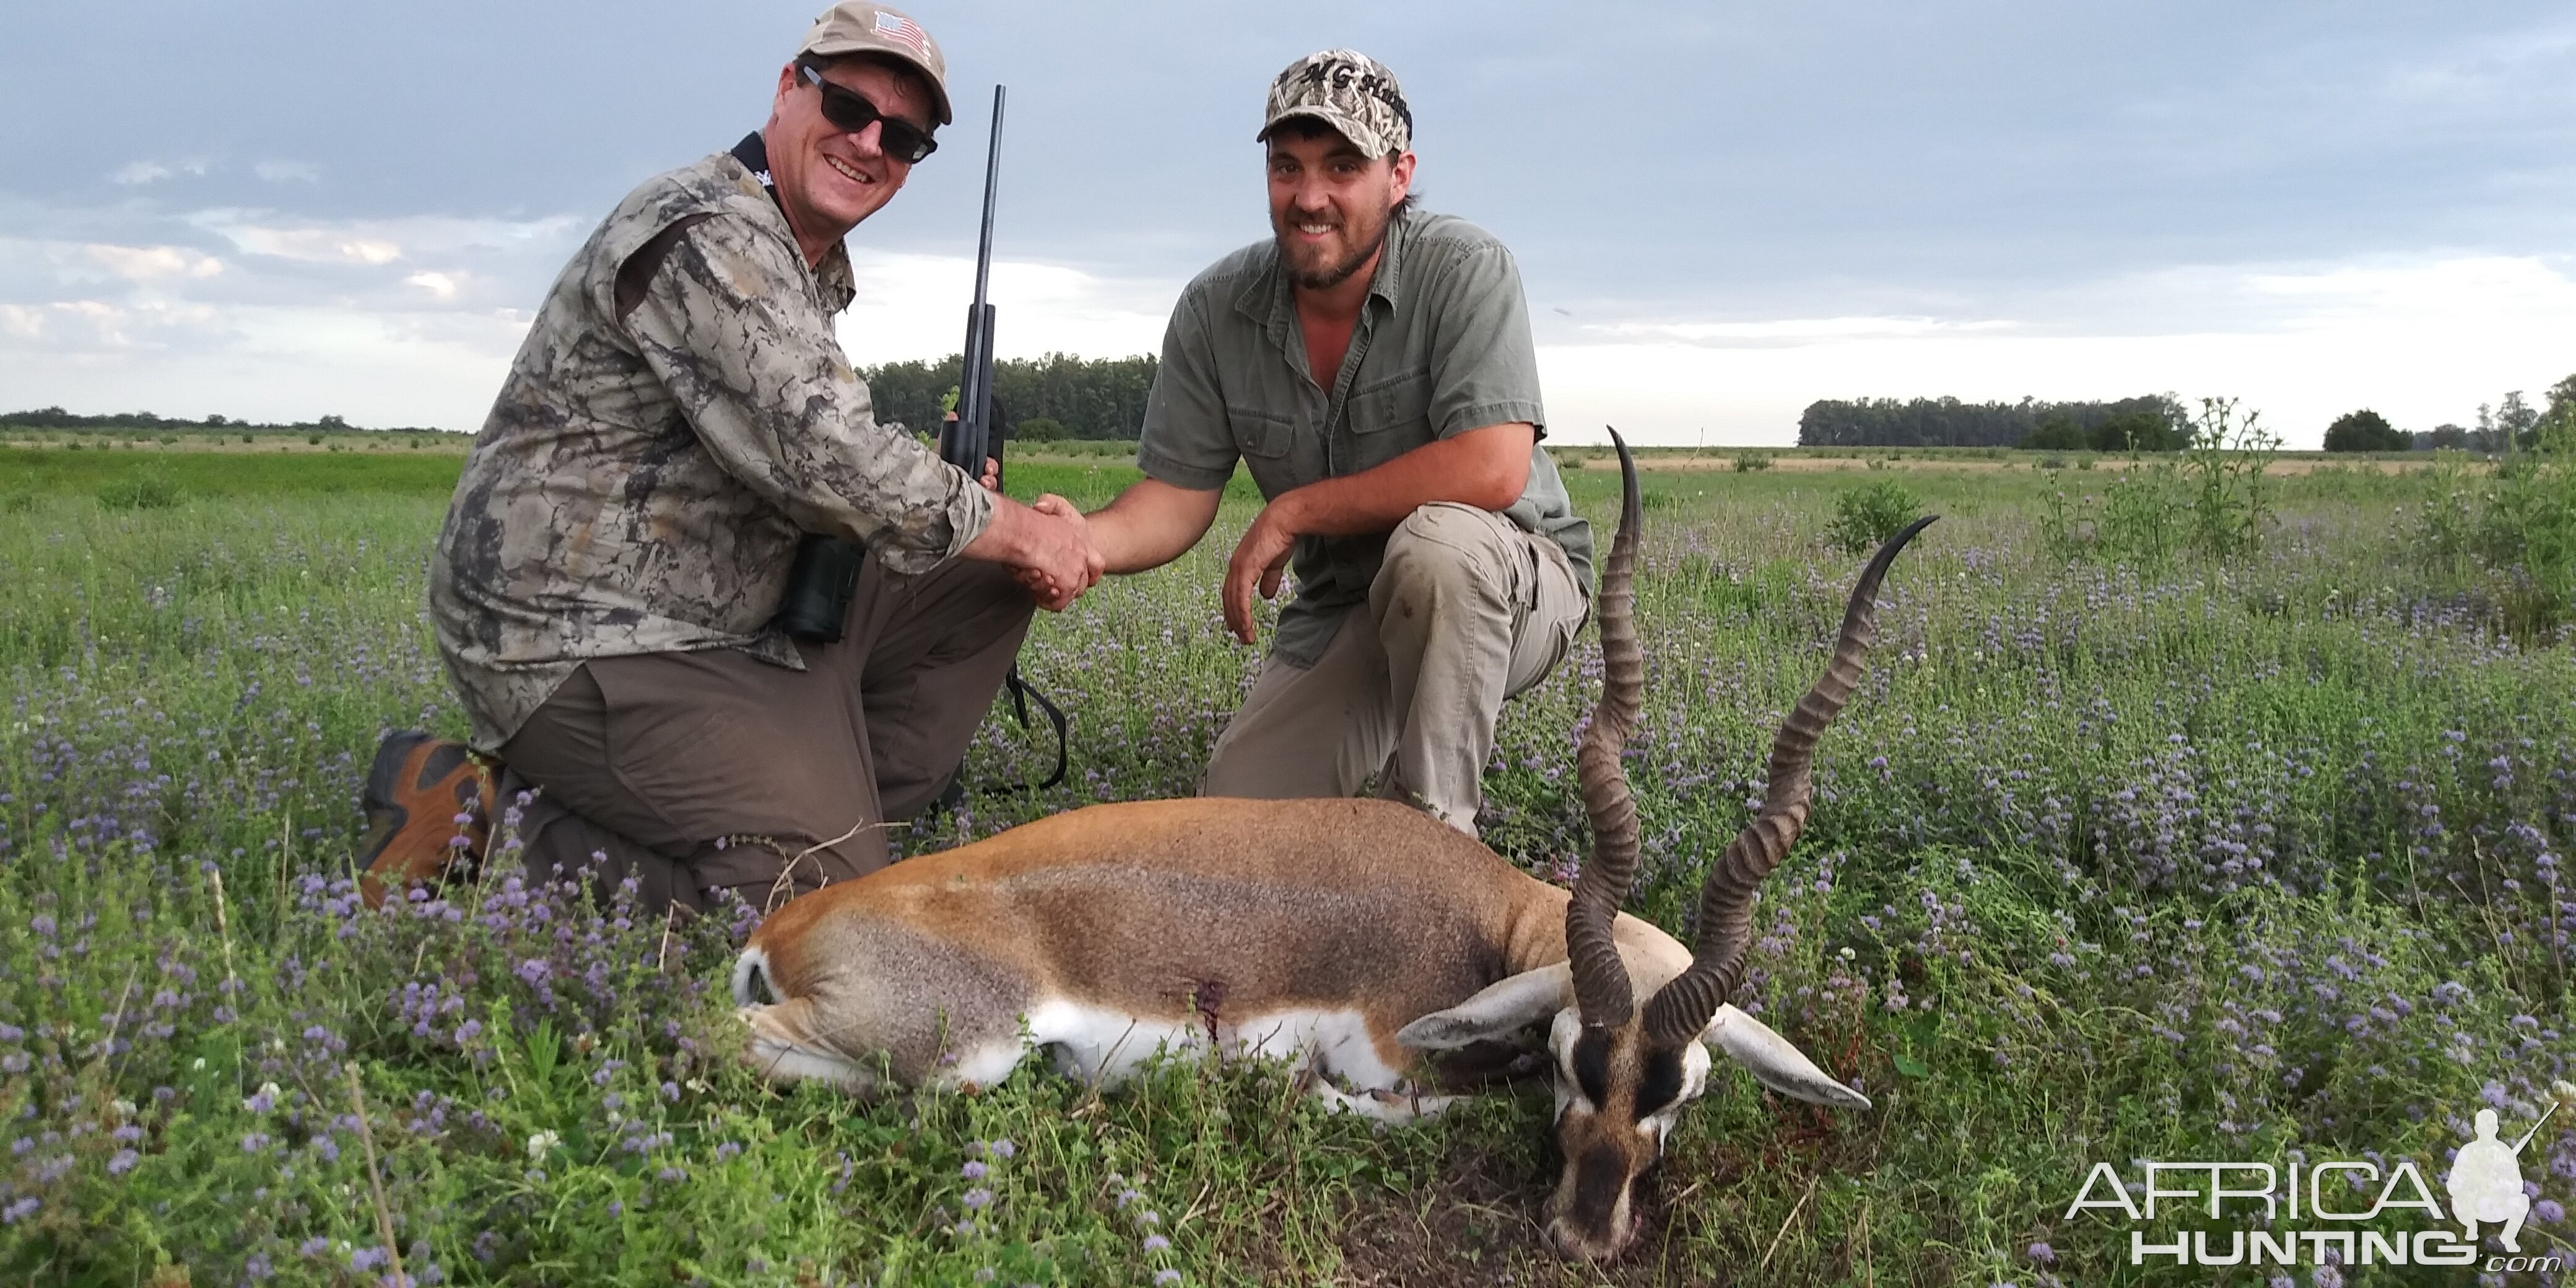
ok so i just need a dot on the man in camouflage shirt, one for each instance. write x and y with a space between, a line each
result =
1371 364
679 418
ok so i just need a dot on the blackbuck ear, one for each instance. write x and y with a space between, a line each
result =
1774 1062
1501 1010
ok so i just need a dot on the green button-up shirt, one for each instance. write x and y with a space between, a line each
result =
1442 347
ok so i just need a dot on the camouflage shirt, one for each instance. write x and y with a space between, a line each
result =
678 418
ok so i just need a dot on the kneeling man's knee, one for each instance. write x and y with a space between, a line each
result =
1443 546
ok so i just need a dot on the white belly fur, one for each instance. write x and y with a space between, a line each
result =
1102 1046
1106 1047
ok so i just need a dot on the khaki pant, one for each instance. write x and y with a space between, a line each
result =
1466 611
692 772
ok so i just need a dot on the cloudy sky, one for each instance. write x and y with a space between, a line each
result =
282 208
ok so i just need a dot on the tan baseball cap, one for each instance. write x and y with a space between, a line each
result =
1349 91
858 27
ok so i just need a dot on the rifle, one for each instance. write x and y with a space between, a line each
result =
974 436
968 440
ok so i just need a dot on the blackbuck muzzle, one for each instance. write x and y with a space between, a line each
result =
1354 937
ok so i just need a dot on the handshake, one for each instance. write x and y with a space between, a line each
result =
1047 546
1057 560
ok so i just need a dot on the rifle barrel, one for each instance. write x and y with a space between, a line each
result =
975 437
992 180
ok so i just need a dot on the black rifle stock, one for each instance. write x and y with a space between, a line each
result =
975 436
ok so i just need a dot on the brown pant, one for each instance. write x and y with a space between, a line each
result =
1466 611
695 772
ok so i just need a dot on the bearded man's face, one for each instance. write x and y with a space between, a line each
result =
1329 205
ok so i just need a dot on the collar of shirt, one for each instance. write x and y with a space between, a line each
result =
833 276
1268 302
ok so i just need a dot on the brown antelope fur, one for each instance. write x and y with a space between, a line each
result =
1256 908
1351 936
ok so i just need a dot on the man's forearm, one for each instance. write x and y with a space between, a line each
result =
1486 468
1151 524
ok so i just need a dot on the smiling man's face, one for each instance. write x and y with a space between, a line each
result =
828 178
1329 205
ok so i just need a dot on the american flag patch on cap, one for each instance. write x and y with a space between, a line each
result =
903 31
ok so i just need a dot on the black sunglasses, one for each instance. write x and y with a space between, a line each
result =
850 110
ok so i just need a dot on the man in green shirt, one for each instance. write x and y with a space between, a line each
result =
1371 364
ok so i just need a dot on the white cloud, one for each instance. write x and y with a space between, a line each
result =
914 306
428 368
148 263
64 325
147 170
283 171
314 245
377 242
2422 343
22 321
442 285
1793 330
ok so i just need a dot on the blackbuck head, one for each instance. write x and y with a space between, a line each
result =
1624 1072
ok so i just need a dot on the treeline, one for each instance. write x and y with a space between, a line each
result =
1057 396
57 418
2154 423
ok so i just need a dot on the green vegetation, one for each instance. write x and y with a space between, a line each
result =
2144 424
2365 431
230 474
144 490
1085 397
2247 849
1866 516
2514 532
2215 501
55 418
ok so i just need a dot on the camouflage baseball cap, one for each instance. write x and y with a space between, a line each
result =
858 27
1349 91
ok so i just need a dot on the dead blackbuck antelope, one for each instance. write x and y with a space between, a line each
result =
1349 935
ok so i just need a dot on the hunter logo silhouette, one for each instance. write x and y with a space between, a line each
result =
2486 1182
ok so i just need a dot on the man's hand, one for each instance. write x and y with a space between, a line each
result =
1258 561
1041 587
992 479
1051 554
1486 467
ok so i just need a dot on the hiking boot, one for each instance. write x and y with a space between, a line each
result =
429 813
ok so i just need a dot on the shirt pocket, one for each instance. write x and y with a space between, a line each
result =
1398 402
1264 435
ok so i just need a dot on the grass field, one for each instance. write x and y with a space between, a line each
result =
2114 858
